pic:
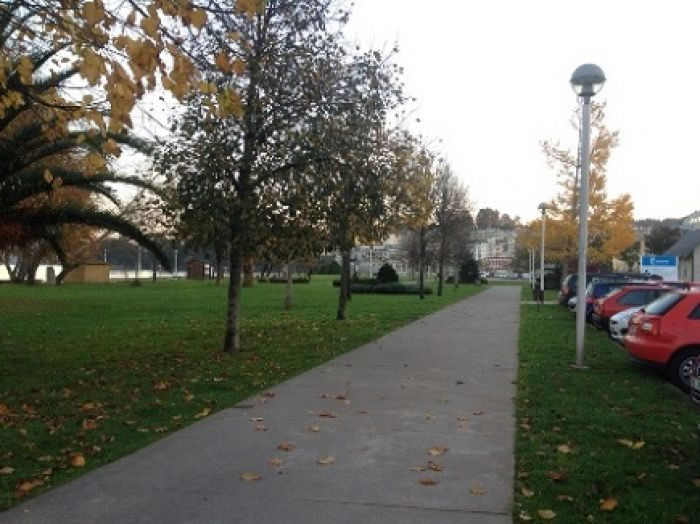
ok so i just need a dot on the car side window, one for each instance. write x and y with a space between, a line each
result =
695 313
633 298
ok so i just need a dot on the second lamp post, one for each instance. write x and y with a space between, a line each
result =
542 207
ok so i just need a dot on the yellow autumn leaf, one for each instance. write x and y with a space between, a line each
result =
239 66
7 470
436 451
527 492
150 26
546 514
477 490
112 147
222 62
608 504
427 481
198 18
48 177
563 448
204 413
248 476
326 460
78 460
93 13
25 67
275 462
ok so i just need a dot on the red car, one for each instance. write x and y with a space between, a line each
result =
666 334
621 299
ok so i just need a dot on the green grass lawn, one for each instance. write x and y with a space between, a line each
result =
614 432
95 372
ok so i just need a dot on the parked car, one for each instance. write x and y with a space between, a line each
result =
568 284
619 323
667 335
621 299
695 380
599 288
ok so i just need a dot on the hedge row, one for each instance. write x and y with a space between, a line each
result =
366 281
275 280
388 289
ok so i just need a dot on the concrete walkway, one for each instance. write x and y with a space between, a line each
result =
445 381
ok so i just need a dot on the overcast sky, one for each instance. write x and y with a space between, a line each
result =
492 81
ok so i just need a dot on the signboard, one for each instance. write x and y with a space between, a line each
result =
664 266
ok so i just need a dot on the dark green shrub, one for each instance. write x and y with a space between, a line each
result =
389 289
367 281
387 274
275 280
469 271
329 268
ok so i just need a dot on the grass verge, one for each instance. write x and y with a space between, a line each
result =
613 443
93 372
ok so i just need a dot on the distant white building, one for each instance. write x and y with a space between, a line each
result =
691 222
494 249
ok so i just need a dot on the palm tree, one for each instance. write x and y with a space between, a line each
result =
46 144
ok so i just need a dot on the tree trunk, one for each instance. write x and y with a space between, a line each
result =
421 264
154 274
344 285
441 266
248 272
288 287
219 256
456 282
348 289
232 342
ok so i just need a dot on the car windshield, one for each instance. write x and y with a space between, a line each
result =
663 304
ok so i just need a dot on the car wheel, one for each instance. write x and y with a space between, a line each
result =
678 369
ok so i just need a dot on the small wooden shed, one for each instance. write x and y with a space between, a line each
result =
195 269
89 273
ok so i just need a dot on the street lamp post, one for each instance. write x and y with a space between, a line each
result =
542 207
586 81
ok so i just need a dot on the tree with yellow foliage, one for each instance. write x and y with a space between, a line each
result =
611 221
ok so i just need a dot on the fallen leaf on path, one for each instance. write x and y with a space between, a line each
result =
7 470
256 419
326 414
546 514
275 462
286 446
435 466
418 468
608 504
361 411
462 419
477 490
437 451
478 413
248 476
268 394
260 427
324 395
341 397
314 429
326 460
427 481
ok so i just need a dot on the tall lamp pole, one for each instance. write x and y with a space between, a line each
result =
586 81
542 207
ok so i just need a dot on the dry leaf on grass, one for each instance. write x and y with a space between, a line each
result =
7 470
639 444
556 476
248 476
77 460
527 492
4 410
326 460
437 451
161 385
286 446
566 498
546 514
608 504
524 516
696 483
563 448
427 481
204 413
89 424
28 485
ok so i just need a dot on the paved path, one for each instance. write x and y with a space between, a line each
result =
446 380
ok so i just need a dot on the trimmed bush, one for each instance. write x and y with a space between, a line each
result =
275 280
366 281
389 289
387 274
331 268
